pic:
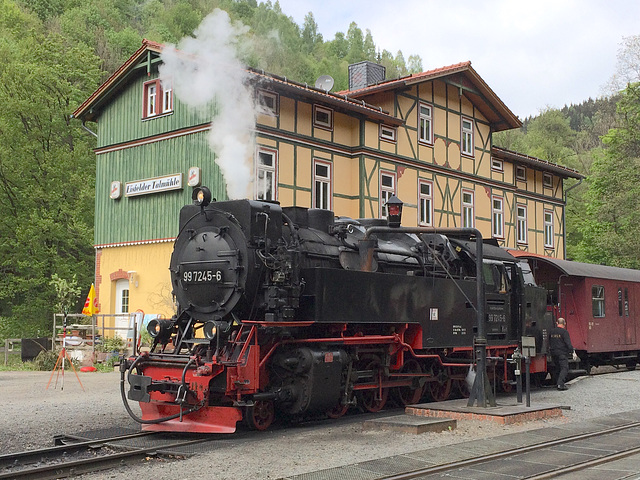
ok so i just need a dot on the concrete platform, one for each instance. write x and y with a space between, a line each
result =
411 424
518 465
504 412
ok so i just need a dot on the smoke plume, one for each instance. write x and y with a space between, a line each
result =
205 73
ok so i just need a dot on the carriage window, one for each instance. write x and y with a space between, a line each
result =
597 298
620 302
626 302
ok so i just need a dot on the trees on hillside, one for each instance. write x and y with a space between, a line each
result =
46 169
610 228
54 53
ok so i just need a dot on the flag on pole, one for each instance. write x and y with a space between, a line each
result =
91 303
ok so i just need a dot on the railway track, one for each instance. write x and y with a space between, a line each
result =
80 457
544 468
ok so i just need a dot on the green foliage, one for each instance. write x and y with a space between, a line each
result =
54 54
67 292
108 365
47 359
14 362
609 230
46 172
113 344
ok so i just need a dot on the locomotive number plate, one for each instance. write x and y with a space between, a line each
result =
202 276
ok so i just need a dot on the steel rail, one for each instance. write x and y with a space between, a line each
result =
531 448
36 455
75 467
586 464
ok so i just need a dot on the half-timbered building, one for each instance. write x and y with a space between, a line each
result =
426 138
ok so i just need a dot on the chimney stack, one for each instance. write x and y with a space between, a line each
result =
363 74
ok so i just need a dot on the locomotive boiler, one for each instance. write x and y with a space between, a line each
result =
293 311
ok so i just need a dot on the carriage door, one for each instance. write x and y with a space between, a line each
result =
628 322
122 308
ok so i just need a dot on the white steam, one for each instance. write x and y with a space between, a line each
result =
206 74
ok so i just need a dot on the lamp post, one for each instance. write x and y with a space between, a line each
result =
394 211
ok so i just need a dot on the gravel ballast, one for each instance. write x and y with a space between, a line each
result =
33 414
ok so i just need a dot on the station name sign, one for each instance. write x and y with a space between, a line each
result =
153 185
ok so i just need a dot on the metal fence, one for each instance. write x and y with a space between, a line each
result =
84 333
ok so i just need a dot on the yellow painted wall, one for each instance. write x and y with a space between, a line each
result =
356 192
287 118
150 290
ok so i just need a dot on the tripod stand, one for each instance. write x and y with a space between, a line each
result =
62 357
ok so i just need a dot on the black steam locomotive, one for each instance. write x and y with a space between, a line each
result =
294 311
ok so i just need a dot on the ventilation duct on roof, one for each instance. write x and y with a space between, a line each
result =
363 74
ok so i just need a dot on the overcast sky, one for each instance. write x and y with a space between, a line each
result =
533 53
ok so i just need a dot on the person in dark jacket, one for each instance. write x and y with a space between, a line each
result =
561 349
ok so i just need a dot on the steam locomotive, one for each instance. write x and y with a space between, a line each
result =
293 311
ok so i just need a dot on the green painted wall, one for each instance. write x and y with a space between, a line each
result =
152 216
121 120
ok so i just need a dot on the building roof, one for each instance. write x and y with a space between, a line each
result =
89 108
577 269
334 99
534 162
150 51
462 76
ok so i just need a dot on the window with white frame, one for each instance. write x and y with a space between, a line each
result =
322 184
322 117
151 99
268 102
387 133
597 300
497 217
468 215
157 99
548 229
466 147
521 173
387 189
497 165
547 180
425 194
124 301
426 124
167 98
521 224
266 174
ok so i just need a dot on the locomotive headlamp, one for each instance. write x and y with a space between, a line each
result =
394 211
201 196
210 329
160 329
